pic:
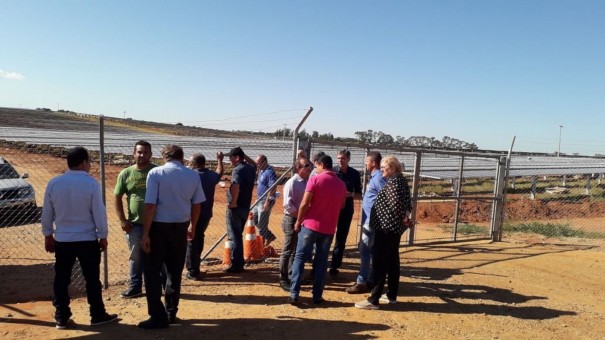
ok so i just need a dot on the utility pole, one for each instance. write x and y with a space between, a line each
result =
559 149
284 136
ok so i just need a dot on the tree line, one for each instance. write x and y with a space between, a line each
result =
384 139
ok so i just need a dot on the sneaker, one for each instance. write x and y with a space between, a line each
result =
103 319
152 324
365 304
63 323
386 300
132 293
358 288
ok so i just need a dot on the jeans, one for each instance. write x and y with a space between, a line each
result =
342 231
261 219
287 255
88 254
386 261
308 238
365 253
196 246
236 220
136 258
168 248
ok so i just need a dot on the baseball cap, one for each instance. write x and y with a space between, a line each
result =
236 151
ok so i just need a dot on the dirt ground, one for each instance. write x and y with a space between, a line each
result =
524 287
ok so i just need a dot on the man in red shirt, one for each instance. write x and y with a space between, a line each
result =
316 224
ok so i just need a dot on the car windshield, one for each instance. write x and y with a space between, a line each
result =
7 172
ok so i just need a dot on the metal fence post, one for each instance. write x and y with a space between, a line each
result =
415 184
498 207
102 164
458 191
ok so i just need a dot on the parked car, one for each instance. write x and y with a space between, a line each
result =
15 192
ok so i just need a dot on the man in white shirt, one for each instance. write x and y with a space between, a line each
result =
73 203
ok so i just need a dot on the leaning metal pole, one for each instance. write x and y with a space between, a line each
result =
102 164
295 135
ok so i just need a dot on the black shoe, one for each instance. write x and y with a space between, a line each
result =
63 323
318 301
233 270
334 273
152 324
193 277
103 319
284 285
172 319
293 301
132 293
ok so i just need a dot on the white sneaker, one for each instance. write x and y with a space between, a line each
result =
385 299
365 304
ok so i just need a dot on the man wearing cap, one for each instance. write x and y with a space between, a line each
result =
239 197
172 208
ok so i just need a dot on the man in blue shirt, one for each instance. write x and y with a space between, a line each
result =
209 179
172 208
262 210
73 202
363 283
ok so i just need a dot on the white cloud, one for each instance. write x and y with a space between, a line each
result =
11 75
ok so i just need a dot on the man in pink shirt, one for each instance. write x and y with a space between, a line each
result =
316 224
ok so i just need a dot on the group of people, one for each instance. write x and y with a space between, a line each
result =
169 208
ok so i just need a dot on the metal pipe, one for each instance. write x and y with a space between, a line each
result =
102 164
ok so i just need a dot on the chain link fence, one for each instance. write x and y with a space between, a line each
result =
456 195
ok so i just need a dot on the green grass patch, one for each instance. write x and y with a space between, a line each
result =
472 229
552 230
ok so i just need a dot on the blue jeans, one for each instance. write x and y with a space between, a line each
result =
236 220
308 238
136 259
261 219
365 253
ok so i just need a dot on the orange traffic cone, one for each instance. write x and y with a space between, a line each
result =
227 253
251 250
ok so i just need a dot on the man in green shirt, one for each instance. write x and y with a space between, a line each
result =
132 182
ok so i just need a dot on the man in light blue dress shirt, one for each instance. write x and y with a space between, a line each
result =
363 283
74 213
172 207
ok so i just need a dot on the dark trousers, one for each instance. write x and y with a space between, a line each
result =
289 249
168 247
236 220
385 257
342 231
196 246
89 255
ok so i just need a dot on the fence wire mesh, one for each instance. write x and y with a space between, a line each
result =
455 192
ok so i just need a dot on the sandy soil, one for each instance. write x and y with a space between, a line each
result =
524 287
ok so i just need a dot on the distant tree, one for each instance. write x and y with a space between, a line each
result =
385 139
315 135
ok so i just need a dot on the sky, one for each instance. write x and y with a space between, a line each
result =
479 71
